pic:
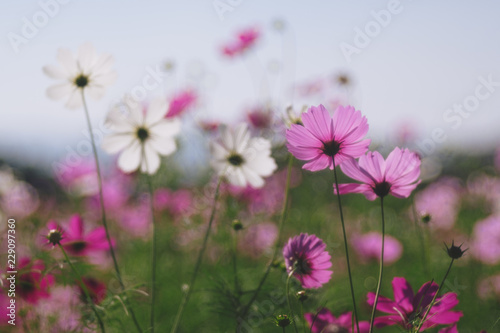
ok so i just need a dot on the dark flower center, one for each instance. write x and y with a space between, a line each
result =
235 159
142 134
27 284
382 189
77 246
81 81
298 122
302 267
331 148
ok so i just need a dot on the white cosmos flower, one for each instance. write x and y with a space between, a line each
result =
241 159
141 136
87 71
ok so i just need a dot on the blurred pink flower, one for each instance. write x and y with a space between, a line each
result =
449 329
497 159
5 313
32 283
439 202
324 321
485 245
258 238
79 178
136 219
79 243
97 290
260 117
398 175
116 192
306 256
487 188
181 102
323 138
489 287
368 246
210 126
177 203
408 308
20 200
244 41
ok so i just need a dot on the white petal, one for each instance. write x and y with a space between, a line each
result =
95 91
227 138
258 157
130 158
75 100
236 177
252 177
104 80
157 110
218 152
68 62
167 128
54 72
135 112
241 137
114 143
59 91
86 57
163 145
103 64
150 160
119 122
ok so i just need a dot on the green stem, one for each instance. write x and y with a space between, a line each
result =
381 270
435 296
235 266
288 300
84 288
346 248
103 211
278 243
153 256
302 317
420 233
185 299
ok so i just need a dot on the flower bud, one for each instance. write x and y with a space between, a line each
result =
455 252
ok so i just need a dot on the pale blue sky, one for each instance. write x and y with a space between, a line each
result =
429 56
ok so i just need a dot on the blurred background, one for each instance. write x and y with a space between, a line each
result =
409 63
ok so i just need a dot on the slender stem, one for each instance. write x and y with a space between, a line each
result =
103 211
302 317
84 288
435 296
381 271
288 300
346 248
284 329
153 256
278 243
235 266
185 299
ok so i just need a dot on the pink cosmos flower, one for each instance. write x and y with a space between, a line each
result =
485 245
408 309
97 290
307 256
439 202
323 139
181 102
32 285
325 322
369 246
489 287
78 243
258 238
177 203
484 190
449 329
260 117
116 192
77 178
398 175
136 219
245 40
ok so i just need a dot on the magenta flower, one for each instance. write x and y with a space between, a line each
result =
260 117
439 203
324 321
398 175
485 245
408 309
258 238
369 246
323 139
449 329
306 256
177 203
245 40
32 284
78 243
181 102
96 289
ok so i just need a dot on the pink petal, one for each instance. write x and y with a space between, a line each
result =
403 293
318 121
